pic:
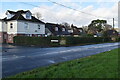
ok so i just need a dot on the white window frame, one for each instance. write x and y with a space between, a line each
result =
39 35
11 25
63 29
39 27
56 28
26 26
30 35
28 15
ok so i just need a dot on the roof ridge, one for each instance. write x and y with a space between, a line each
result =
18 16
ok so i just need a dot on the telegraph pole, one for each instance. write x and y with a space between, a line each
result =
113 23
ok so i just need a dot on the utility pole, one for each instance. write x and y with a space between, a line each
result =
113 23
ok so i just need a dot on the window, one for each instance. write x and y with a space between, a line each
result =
39 35
56 28
38 26
30 35
63 29
80 30
28 15
26 25
11 25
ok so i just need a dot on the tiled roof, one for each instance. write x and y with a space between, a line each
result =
112 32
20 11
11 12
18 16
51 27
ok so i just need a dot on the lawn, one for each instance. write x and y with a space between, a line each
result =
103 65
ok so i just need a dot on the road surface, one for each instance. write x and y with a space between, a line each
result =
16 59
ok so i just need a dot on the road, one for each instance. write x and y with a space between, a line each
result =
16 59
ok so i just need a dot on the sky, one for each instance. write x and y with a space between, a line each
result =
54 13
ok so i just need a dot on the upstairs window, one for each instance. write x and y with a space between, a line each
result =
11 25
63 29
28 15
56 28
80 30
26 25
38 27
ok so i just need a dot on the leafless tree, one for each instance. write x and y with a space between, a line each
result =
37 15
66 25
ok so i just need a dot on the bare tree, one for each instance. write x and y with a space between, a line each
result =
66 25
85 28
37 15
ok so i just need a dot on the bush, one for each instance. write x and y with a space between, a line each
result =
38 41
115 38
46 41
84 40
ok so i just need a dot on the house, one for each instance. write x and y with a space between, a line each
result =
117 29
55 30
107 27
111 33
3 31
20 23
76 31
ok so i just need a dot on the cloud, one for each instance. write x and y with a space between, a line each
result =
60 0
59 14
2 15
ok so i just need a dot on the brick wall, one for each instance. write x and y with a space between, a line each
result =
1 37
9 38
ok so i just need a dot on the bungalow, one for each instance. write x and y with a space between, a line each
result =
76 31
55 30
20 23
112 32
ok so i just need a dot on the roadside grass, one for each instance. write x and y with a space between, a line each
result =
103 65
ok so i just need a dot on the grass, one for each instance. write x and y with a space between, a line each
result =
103 65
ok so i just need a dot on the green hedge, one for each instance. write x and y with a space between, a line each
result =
85 40
38 41
46 41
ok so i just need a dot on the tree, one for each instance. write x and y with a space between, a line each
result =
107 27
96 26
66 25
37 15
85 28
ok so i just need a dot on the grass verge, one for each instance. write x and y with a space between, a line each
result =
103 65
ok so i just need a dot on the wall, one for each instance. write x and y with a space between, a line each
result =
1 33
19 28
31 28
4 26
0 26
1 37
9 15
12 30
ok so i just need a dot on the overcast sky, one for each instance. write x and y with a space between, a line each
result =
57 14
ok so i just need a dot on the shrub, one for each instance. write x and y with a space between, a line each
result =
39 41
46 41
84 40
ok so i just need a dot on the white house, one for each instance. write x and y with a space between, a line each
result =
20 23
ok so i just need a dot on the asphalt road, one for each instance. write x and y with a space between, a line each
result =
16 59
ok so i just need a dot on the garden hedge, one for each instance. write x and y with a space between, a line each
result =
46 41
